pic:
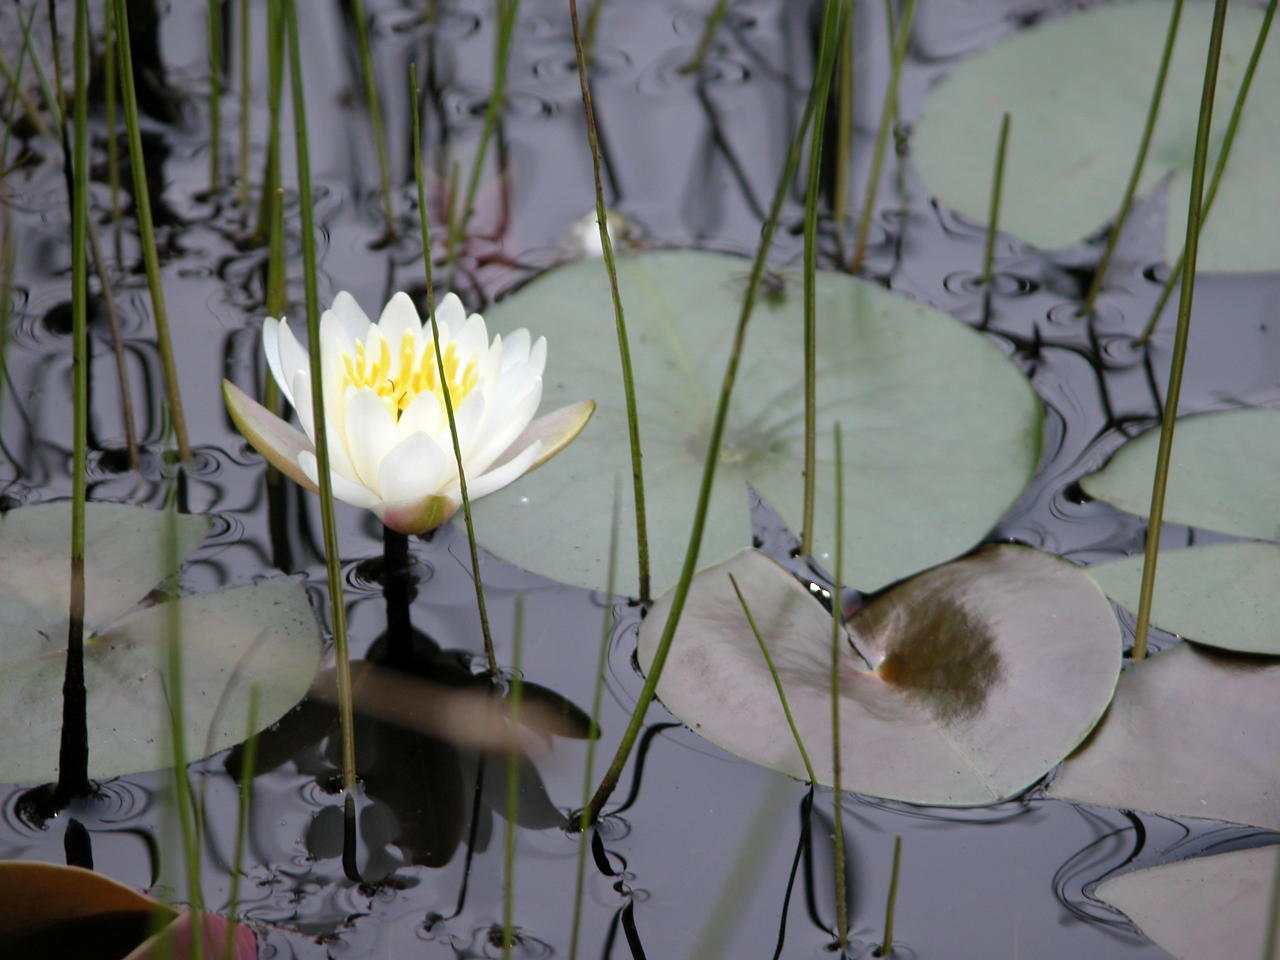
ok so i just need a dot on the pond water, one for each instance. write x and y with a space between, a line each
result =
698 860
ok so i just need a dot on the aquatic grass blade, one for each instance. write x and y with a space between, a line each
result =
514 698
837 614
891 901
375 114
243 36
1174 391
826 59
993 217
709 29
215 92
248 763
620 325
481 607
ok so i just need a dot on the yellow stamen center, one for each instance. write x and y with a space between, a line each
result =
400 379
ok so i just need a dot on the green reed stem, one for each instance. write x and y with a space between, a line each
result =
1272 937
111 85
117 348
597 699
592 27
337 609
507 10
777 681
73 753
248 762
887 109
837 612
491 657
275 95
1139 162
844 126
1180 340
277 279
1220 166
215 92
150 255
7 250
513 782
826 61
375 113
993 215
886 946
619 322
13 80
708 34
246 84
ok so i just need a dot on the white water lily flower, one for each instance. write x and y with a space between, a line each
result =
390 449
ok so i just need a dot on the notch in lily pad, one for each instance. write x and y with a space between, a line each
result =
962 686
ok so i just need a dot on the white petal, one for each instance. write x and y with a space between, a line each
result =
470 420
340 329
271 347
301 388
503 432
349 312
293 355
399 317
473 339
512 389
538 355
515 349
450 314
335 416
343 489
415 467
370 434
498 478
425 414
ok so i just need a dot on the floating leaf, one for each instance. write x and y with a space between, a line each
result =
263 634
56 911
1222 595
1207 907
1190 733
1222 474
941 431
984 673
1077 89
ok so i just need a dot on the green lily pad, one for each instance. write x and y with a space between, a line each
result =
1214 906
1077 90
961 686
263 634
1190 733
1222 595
1222 474
941 431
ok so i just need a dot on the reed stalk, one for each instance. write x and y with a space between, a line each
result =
246 84
1174 392
507 10
13 80
275 95
619 320
837 648
73 752
111 94
826 60
887 110
337 609
708 34
491 657
993 216
150 254
215 93
1220 166
375 114
1139 162
514 699
886 946
1271 942
592 27
248 762
844 126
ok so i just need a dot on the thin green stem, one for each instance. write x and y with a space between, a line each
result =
844 125
491 657
1272 938
507 10
1156 517
1139 162
513 783
248 762
886 945
215 92
837 648
117 348
111 90
619 321
337 609
777 681
245 90
375 113
887 109
13 79
708 34
275 95
993 215
150 254
592 27
826 60
1220 166
597 700
73 753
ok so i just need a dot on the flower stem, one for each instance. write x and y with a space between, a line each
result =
620 325
337 608
993 217
1194 210
822 80
1135 175
491 658
395 592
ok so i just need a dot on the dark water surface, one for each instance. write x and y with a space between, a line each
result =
697 864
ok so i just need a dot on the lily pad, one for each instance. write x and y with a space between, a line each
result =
1222 474
1077 90
941 431
1222 595
961 686
263 634
1190 733
1206 907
